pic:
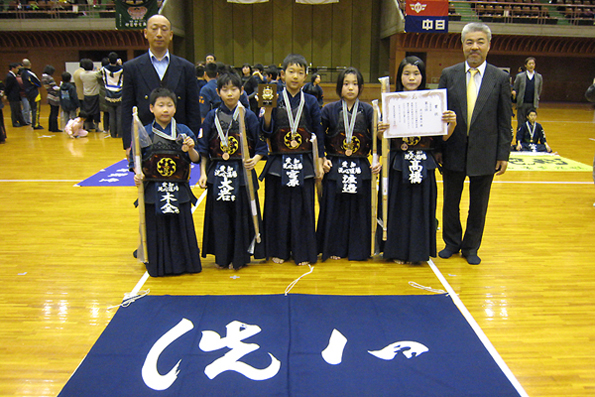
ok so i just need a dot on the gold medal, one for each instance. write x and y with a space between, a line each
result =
225 156
348 152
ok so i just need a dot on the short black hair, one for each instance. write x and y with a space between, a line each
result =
200 70
113 57
211 69
227 78
162 92
295 59
272 71
86 64
259 67
49 69
341 79
14 65
532 110
66 76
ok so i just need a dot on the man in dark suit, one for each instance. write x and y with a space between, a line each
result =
13 94
158 68
480 144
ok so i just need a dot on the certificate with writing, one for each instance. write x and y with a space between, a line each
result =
414 113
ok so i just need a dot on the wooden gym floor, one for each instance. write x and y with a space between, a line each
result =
66 256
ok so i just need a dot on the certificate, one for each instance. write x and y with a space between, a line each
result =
414 113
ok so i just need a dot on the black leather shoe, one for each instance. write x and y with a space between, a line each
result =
446 253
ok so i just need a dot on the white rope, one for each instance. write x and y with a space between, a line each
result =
430 289
294 282
128 299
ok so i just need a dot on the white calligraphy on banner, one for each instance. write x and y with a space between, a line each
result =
236 332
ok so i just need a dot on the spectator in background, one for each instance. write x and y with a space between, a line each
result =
251 86
210 58
69 101
31 84
52 97
13 94
200 76
527 90
246 72
314 88
113 76
90 79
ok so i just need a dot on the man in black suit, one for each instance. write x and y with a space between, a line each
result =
158 68
13 94
480 144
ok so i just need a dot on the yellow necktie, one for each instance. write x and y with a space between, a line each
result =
471 97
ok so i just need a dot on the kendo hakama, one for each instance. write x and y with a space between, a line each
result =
344 220
171 238
289 219
411 234
228 231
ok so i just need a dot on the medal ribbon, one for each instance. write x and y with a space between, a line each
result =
531 130
294 123
174 131
349 125
223 136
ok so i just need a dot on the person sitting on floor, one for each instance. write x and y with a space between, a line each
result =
530 137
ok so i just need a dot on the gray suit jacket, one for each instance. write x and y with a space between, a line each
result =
490 134
520 82
140 78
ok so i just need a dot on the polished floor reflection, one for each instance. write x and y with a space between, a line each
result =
66 257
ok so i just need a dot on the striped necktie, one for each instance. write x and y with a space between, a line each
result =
471 97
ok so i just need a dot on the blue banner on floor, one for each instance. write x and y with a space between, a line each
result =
296 345
118 175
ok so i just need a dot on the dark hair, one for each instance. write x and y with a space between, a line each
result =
528 59
532 110
211 69
83 115
213 55
104 61
259 67
86 64
66 76
227 78
14 65
249 66
295 59
272 71
313 78
341 79
162 92
49 69
113 58
415 61
223 68
200 70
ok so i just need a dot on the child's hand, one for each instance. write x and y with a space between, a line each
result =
202 181
138 179
187 144
376 168
519 147
382 127
251 163
449 117
326 165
